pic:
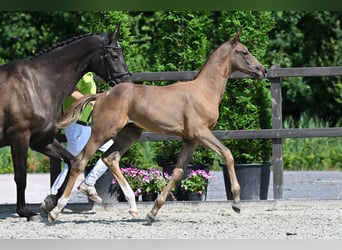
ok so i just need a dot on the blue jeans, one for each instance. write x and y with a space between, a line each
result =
77 137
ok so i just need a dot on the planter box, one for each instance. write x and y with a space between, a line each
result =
253 178
179 193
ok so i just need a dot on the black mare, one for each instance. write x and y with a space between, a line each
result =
32 93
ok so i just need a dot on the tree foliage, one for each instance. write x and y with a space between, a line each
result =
308 39
23 34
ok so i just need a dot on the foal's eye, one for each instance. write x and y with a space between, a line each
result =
244 52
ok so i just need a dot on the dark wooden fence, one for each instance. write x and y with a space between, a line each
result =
277 133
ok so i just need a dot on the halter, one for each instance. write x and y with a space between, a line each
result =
113 77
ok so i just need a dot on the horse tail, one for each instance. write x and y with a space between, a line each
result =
73 112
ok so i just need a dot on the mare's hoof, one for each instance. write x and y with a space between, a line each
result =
150 218
236 208
48 204
25 212
134 214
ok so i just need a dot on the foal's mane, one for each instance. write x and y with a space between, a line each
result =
63 43
209 57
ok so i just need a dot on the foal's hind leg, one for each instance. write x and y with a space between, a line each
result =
78 166
183 159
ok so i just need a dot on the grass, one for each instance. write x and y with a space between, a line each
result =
321 153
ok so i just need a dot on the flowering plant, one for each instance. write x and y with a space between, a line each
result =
134 177
196 181
144 181
153 181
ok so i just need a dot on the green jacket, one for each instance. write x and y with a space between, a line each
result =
86 85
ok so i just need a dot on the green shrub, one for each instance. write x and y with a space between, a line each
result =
140 154
6 165
37 162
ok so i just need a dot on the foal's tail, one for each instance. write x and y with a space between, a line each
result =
74 111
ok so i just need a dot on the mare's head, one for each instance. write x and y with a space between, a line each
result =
242 60
111 64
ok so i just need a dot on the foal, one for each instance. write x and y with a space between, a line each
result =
186 109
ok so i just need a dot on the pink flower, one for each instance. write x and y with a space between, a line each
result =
196 181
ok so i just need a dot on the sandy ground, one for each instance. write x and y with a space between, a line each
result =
310 219
311 209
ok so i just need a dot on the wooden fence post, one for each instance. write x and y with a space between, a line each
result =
277 146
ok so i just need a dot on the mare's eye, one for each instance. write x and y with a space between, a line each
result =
115 58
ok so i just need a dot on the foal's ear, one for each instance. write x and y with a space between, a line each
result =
236 38
115 34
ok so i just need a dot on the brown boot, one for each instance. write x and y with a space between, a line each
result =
89 191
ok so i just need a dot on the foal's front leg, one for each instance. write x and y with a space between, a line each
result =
177 174
210 141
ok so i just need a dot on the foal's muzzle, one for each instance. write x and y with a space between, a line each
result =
260 72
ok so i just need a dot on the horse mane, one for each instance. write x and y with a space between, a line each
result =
63 43
209 57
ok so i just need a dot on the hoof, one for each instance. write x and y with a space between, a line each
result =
134 214
25 212
150 218
49 203
236 208
51 218
37 218
53 215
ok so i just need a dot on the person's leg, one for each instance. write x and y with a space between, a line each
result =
87 187
59 180
77 136
100 168
96 172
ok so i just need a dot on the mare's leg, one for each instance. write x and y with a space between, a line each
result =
209 140
55 150
125 138
184 157
19 150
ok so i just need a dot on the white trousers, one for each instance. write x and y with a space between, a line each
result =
77 137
